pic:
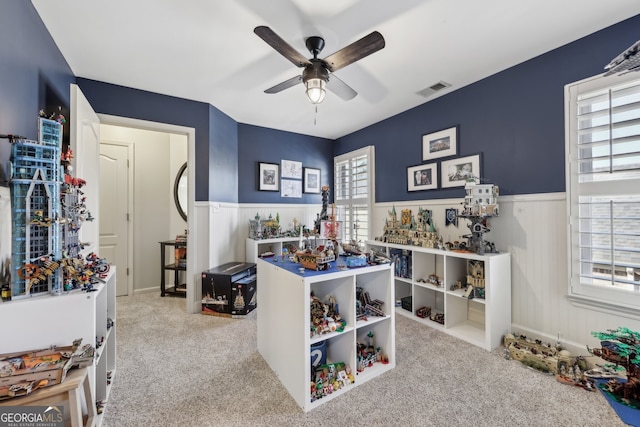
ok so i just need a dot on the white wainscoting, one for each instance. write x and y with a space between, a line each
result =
219 234
533 228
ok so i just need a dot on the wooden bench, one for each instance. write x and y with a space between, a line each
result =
69 389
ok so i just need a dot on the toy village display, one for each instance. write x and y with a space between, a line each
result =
480 204
318 247
537 355
615 372
48 209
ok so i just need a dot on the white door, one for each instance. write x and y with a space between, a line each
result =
114 211
85 143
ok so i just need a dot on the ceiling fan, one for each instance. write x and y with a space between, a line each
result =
318 73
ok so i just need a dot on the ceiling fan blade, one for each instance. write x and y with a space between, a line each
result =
355 51
284 48
284 85
340 88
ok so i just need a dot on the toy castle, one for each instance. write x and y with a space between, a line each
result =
409 231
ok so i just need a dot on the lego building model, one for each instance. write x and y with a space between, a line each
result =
35 200
535 354
480 204
620 348
410 232
475 279
270 228
264 228
327 229
48 209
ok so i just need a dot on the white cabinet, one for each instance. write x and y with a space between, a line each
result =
480 321
255 248
284 338
48 320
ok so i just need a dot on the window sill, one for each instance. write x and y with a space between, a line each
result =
608 307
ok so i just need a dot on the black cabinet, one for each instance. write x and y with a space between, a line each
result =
229 290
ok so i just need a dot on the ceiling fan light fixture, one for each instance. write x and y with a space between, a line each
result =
315 73
315 90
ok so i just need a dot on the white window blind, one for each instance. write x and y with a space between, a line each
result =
354 193
603 186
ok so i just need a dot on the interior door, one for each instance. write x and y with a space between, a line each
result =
114 210
85 143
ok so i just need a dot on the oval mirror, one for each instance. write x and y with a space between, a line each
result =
180 191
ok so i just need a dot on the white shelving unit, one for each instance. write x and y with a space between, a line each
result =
106 353
284 322
482 322
255 248
48 320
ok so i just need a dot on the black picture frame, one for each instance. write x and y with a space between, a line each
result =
268 176
422 177
443 143
312 180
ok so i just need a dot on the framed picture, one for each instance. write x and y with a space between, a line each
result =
268 177
456 172
422 177
291 169
440 144
311 180
291 188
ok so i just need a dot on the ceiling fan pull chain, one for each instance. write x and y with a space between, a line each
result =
315 117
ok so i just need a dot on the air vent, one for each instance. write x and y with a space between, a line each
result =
426 92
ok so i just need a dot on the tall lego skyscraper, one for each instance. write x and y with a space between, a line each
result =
35 193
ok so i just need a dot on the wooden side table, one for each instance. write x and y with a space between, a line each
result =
69 389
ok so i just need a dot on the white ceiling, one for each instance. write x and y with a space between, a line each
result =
205 50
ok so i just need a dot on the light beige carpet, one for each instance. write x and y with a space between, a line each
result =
178 369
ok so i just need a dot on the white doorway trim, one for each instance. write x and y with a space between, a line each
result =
190 133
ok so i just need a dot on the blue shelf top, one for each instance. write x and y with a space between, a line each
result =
339 265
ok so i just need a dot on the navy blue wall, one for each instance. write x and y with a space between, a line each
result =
223 157
514 118
32 69
137 104
257 144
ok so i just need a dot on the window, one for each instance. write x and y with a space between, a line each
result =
354 175
603 192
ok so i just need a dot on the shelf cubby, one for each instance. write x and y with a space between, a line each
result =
284 338
480 321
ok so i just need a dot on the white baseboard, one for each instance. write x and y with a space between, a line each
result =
147 290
